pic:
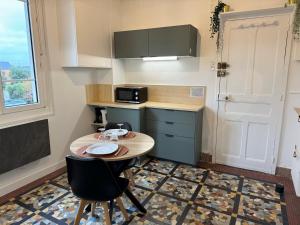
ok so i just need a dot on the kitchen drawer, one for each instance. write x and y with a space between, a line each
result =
174 148
178 129
166 115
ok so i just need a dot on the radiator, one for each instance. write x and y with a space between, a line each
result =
20 145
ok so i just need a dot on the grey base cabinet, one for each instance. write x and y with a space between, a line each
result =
177 134
133 116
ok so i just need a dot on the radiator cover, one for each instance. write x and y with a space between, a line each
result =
23 144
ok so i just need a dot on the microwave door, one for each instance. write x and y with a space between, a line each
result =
125 95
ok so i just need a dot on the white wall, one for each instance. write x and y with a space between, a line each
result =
137 14
71 118
290 135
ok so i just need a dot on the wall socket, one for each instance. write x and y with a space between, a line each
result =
197 92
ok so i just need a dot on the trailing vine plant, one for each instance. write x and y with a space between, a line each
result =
215 22
296 24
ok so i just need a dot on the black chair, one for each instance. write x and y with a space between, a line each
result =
93 181
111 125
125 165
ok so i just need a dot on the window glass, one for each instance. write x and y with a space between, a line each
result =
17 68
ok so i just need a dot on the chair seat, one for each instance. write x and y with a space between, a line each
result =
95 195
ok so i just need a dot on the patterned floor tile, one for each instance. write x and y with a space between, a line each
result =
139 193
142 162
148 179
213 204
117 217
65 209
245 222
260 189
189 173
141 221
62 180
160 166
134 169
223 180
38 220
42 196
178 188
165 209
260 210
199 216
12 213
215 198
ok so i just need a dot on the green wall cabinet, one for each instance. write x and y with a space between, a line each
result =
131 44
165 41
173 41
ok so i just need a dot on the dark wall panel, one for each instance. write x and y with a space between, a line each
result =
23 144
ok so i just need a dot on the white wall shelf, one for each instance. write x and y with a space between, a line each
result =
85 34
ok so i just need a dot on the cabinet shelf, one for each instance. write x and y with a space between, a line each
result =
98 124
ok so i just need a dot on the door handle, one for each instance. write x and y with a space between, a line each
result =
227 98
169 135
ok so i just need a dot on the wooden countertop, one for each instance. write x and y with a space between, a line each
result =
158 105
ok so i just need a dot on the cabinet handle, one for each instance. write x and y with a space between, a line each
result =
168 122
169 135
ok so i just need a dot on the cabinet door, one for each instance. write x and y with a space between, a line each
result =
131 44
174 148
173 41
133 116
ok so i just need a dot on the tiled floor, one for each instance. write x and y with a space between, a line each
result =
172 194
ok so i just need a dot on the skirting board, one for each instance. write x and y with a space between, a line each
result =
280 171
31 178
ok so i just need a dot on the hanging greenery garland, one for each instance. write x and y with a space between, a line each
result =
215 19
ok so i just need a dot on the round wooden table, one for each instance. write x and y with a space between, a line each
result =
139 145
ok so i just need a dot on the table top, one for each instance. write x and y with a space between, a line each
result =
137 146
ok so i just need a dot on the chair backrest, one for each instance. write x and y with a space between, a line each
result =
112 125
92 179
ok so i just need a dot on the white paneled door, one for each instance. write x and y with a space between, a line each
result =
251 95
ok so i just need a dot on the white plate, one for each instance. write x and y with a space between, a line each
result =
115 132
102 148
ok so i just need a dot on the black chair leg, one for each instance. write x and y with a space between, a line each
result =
135 201
88 208
111 209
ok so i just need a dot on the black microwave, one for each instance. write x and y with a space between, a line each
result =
131 94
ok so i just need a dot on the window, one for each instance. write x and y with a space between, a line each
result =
22 56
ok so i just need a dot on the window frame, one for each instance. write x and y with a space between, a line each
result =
16 114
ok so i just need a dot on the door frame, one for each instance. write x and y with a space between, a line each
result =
239 15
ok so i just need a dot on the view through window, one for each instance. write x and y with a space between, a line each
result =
17 68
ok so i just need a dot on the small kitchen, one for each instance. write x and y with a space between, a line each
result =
193 106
